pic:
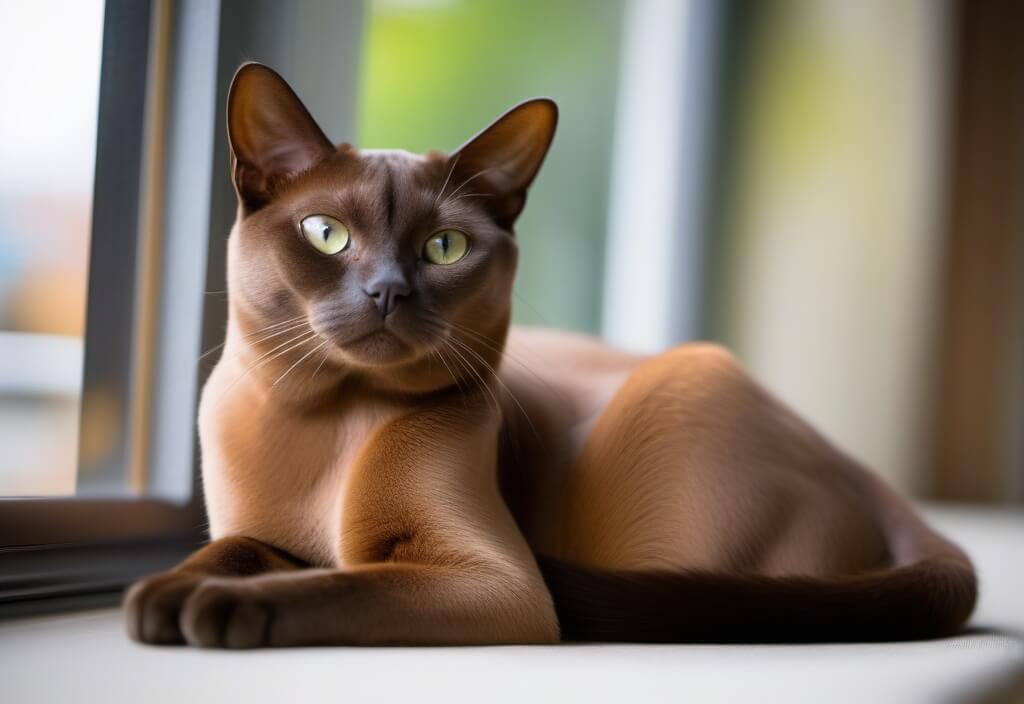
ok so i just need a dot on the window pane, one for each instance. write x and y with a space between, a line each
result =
436 72
52 50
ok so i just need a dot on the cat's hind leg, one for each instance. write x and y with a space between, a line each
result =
692 465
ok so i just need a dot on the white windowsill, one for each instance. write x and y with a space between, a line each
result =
85 656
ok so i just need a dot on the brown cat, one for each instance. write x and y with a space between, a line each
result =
385 461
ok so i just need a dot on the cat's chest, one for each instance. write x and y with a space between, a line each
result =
282 479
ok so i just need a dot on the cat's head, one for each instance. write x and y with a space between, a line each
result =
392 266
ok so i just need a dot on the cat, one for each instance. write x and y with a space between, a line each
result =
387 461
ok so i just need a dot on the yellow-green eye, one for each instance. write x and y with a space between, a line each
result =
446 247
325 233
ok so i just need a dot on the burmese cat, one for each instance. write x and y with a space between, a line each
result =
386 461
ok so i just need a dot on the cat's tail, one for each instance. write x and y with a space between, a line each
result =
929 592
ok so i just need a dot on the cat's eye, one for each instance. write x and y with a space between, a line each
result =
446 247
325 233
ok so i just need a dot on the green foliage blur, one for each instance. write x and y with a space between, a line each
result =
435 72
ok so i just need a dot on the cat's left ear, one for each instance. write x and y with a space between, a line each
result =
503 159
271 132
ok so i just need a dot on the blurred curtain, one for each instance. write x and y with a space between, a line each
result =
979 424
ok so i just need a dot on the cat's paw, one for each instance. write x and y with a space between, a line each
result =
152 607
226 613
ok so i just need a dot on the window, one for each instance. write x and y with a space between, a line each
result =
46 188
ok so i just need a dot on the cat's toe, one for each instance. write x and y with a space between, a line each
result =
248 626
225 614
152 607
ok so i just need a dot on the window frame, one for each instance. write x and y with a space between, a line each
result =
115 248
95 542
666 132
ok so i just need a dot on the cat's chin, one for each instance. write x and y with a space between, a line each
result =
379 348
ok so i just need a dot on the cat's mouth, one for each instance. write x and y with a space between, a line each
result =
372 342
381 346
380 342
366 337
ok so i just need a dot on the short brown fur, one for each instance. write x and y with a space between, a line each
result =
417 472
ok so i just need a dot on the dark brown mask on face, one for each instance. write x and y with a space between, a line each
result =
390 257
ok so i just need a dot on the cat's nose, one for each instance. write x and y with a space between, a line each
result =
387 290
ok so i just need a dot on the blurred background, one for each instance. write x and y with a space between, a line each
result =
47 157
833 189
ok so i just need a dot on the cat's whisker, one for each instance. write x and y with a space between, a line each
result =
483 361
497 378
465 183
471 195
441 331
302 359
533 309
292 325
476 373
439 352
447 178
505 354
441 326
268 336
274 329
210 351
327 353
270 355
274 326
461 365
266 358
459 378
450 372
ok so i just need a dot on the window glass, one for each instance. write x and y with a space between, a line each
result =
436 72
51 52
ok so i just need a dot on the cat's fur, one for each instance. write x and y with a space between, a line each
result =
371 480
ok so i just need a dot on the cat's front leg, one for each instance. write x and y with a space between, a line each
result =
379 604
152 606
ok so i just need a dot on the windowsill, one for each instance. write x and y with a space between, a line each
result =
85 656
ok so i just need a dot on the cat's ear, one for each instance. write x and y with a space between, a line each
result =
272 134
503 159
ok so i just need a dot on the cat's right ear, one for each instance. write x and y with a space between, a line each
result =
504 158
272 134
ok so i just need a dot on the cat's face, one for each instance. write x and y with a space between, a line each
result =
396 265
